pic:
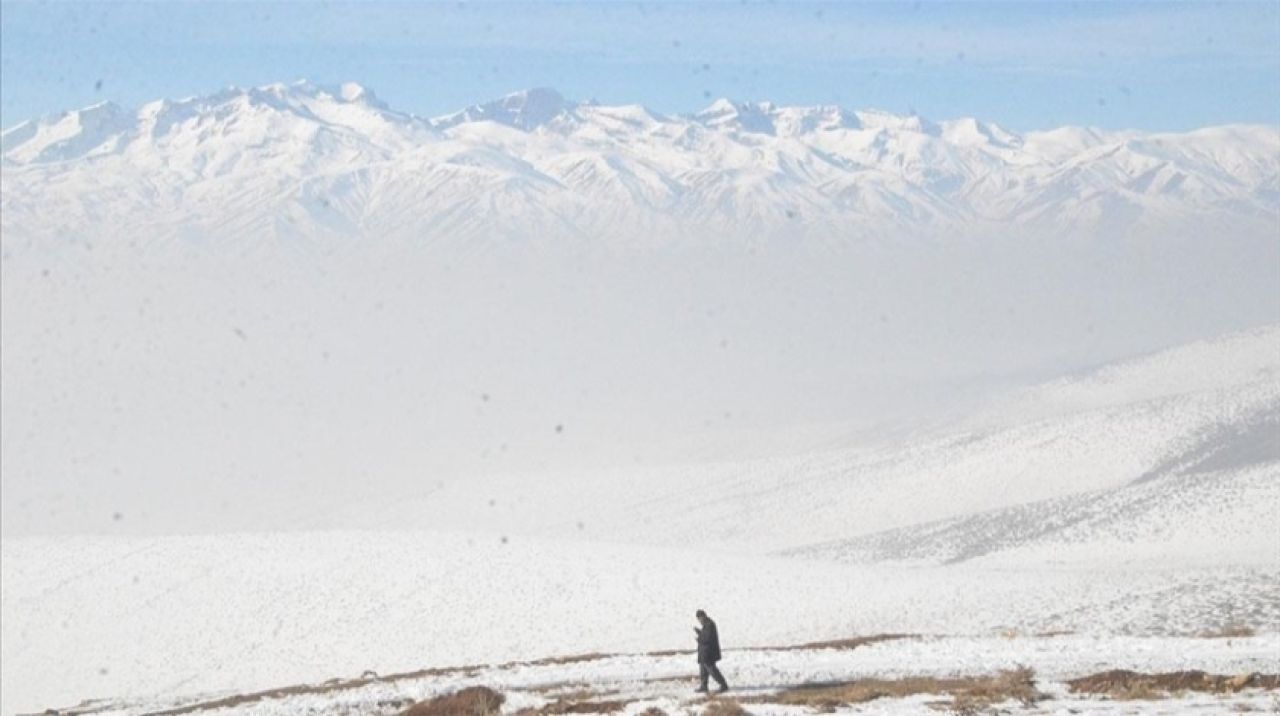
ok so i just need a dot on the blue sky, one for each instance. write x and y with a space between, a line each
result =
1025 65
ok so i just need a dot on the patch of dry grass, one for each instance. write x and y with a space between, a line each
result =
968 693
724 707
561 689
1228 631
571 706
557 660
1123 685
850 643
471 701
668 652
1011 685
576 702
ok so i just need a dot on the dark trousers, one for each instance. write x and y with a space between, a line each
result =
708 668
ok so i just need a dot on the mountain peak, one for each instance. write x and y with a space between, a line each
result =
764 117
752 117
353 91
525 110
913 122
721 106
68 135
343 93
534 96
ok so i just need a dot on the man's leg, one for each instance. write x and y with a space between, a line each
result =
703 672
715 674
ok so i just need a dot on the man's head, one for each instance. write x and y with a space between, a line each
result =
701 615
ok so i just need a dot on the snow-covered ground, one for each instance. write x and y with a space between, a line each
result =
632 683
1169 458
131 617
1132 506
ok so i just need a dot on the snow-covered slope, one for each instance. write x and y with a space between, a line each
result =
1136 498
1169 459
305 160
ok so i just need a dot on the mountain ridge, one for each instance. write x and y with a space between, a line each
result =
310 160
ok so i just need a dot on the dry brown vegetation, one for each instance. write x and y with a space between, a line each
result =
471 701
967 693
1131 685
724 707
575 706
569 690
1228 631
851 643
551 660
567 698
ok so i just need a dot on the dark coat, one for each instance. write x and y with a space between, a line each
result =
708 643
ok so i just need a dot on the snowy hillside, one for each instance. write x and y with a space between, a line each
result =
310 161
1137 498
1169 459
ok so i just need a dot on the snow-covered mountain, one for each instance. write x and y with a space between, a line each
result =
306 160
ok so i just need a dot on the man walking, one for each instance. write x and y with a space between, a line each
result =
708 652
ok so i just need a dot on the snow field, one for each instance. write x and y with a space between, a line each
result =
133 617
667 681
